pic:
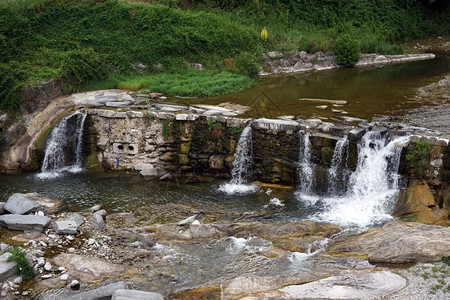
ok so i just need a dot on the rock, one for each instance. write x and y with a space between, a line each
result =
189 220
417 204
41 261
65 227
202 231
2 210
356 133
103 292
397 242
29 235
123 294
18 204
275 54
89 269
79 219
252 284
348 285
18 280
216 162
24 222
95 208
7 269
47 205
75 284
101 212
64 277
97 221
48 266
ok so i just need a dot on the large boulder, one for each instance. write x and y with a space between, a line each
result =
24 222
20 205
47 205
417 203
2 210
65 227
396 242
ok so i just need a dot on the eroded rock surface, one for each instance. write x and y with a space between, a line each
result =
397 242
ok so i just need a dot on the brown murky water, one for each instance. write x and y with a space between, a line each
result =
415 92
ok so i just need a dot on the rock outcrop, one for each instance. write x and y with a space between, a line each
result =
396 242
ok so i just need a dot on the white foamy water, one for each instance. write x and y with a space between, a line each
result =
275 202
242 166
236 245
372 188
62 140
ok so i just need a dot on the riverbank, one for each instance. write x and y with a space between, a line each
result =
100 252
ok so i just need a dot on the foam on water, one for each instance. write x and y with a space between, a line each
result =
372 187
233 188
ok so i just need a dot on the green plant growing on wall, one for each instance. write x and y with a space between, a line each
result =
214 125
417 157
235 131
23 267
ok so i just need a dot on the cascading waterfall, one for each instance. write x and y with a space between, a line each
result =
372 187
242 165
337 174
64 147
306 168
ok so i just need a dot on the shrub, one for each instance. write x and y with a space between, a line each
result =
347 50
246 64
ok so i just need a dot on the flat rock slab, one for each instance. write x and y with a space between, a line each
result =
65 227
348 285
20 205
7 269
247 285
89 269
24 222
397 242
123 294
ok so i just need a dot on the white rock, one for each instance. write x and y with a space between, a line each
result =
61 269
196 222
40 213
64 277
41 261
91 241
3 293
43 244
95 208
47 276
18 280
48 266
71 250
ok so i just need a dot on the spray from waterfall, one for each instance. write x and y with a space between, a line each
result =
371 189
242 166
63 152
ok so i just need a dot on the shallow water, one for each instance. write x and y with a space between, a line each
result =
387 92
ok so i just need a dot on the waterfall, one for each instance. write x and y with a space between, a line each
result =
306 169
371 189
337 174
64 147
242 166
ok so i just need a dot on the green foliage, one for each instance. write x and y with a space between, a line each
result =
247 64
235 132
347 50
417 157
23 267
214 125
166 129
446 260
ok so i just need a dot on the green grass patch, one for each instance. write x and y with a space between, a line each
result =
191 83
23 267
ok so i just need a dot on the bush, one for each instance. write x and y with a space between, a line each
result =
246 64
347 50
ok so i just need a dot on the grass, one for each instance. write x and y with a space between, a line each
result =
23 267
190 83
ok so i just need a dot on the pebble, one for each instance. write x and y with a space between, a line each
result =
75 284
64 277
41 261
25 293
69 238
95 208
5 286
48 266
40 213
91 241
18 280
43 244
47 276
3 293
71 250
61 269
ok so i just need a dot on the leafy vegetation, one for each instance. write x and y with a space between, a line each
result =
23 267
417 157
90 43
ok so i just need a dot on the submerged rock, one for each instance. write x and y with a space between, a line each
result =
397 242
